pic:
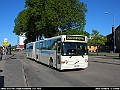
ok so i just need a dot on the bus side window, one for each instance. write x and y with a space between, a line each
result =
43 45
40 45
53 44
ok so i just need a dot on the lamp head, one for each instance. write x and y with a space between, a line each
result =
106 12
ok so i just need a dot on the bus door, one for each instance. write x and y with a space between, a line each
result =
40 50
58 55
33 51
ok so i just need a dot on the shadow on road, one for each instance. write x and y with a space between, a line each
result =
1 70
69 70
1 81
12 57
117 58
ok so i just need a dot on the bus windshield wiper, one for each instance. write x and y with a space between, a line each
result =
70 56
82 56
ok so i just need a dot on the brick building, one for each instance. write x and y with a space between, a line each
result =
117 39
109 44
92 48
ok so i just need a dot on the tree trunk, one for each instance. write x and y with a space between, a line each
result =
97 49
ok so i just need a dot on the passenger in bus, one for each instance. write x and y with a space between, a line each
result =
59 50
78 48
53 47
79 51
71 52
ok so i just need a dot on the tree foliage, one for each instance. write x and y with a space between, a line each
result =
45 16
76 32
20 23
97 39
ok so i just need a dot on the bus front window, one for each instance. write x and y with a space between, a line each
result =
74 49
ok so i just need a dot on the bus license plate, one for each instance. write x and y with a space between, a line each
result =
76 65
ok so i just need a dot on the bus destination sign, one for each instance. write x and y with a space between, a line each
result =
80 38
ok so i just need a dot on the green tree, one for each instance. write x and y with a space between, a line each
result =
45 16
24 25
97 39
76 32
20 23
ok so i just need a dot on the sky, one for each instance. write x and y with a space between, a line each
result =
96 19
9 10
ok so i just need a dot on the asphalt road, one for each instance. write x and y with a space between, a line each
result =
37 75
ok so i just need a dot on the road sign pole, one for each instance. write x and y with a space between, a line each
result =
5 53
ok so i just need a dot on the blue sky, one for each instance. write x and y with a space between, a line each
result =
95 17
9 10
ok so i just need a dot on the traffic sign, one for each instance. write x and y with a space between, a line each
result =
5 40
114 47
5 43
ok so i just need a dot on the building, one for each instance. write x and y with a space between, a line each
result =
109 45
92 48
117 39
20 41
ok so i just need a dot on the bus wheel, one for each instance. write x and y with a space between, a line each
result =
50 63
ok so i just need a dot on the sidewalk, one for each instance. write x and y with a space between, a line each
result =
2 62
104 59
13 73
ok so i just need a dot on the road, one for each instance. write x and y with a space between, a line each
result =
97 74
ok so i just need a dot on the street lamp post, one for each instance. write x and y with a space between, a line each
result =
113 28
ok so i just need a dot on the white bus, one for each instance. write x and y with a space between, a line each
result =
30 50
62 52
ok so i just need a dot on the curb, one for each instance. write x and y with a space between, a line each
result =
25 77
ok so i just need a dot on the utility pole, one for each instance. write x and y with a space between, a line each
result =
114 46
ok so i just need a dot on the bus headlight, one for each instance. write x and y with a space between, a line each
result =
86 60
62 62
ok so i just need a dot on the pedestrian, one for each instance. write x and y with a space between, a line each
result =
1 53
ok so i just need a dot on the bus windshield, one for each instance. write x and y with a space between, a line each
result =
74 49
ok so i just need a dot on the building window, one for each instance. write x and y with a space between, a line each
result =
100 47
118 38
118 31
106 46
110 38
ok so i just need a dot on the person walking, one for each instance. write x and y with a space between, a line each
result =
1 53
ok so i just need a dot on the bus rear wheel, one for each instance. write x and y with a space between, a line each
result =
50 63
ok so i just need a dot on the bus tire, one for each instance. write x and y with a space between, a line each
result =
50 63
